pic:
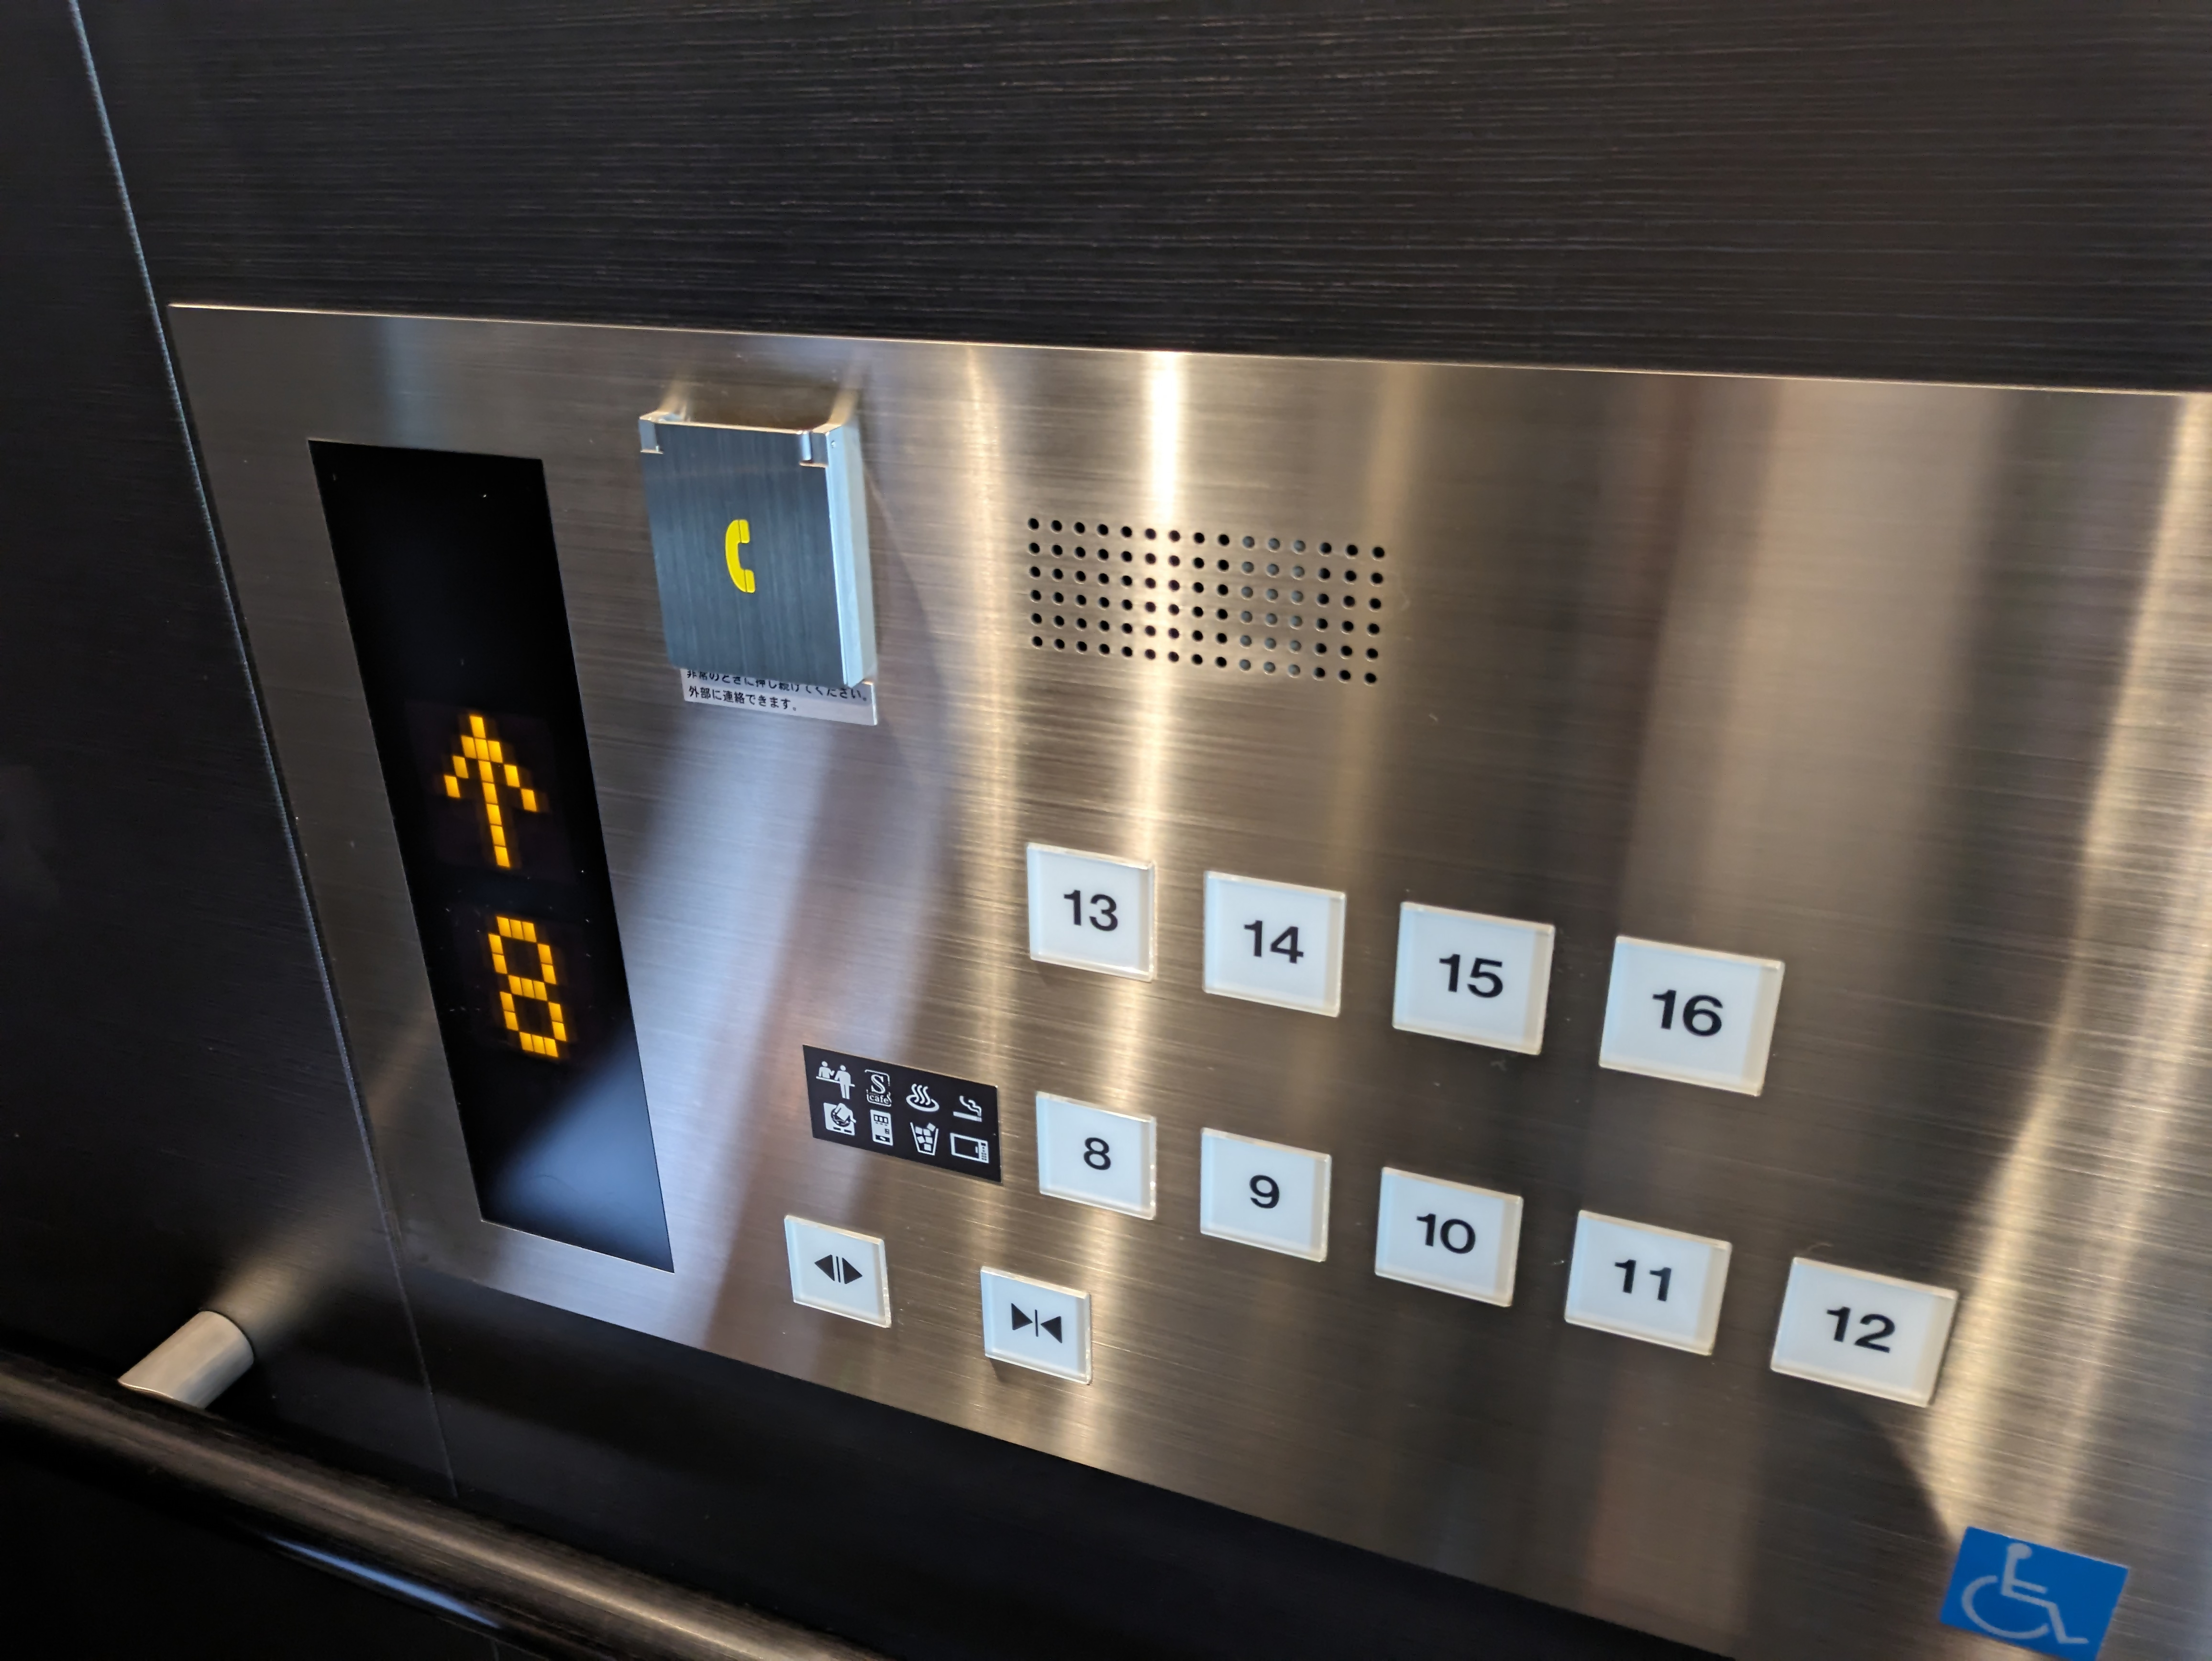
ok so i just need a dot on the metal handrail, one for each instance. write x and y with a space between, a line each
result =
462 1567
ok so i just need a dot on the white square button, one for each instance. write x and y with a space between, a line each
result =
1865 1332
1263 1194
837 1270
1033 1325
1449 1237
1655 1284
1478 979
1675 1011
1095 1157
1275 942
1090 911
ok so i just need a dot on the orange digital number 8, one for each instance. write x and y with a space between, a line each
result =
528 975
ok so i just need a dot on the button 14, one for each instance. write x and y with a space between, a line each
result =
1275 942
1449 1237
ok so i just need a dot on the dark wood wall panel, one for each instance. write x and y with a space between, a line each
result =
1982 189
175 1123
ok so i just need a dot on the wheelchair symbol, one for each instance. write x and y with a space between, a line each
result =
2034 1601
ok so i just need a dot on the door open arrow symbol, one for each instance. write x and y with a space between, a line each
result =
1049 1324
843 1272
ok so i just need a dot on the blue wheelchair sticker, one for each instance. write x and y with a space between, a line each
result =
2040 1598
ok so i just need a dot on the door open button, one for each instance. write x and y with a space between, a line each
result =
838 1271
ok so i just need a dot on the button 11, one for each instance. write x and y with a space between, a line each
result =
1655 1284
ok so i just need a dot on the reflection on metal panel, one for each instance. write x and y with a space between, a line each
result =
1899 687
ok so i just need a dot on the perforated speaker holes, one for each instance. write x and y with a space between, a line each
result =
1196 599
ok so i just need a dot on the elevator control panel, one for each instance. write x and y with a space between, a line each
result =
1527 969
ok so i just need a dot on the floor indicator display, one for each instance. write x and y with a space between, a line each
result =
1034 1324
1090 911
837 1270
1675 1011
1657 1284
1095 1157
1262 1193
453 592
2032 1596
1275 942
930 1118
1478 979
1864 1332
1447 1236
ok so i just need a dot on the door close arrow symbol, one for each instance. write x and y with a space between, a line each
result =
1021 1319
1051 1326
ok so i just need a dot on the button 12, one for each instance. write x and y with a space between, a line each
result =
1865 1332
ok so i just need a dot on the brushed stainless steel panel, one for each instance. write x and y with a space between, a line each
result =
1905 685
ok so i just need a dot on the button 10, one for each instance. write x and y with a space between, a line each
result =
1447 1236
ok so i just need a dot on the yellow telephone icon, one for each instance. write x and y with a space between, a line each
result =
733 548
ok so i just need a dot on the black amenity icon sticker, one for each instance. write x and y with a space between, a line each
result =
928 1117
